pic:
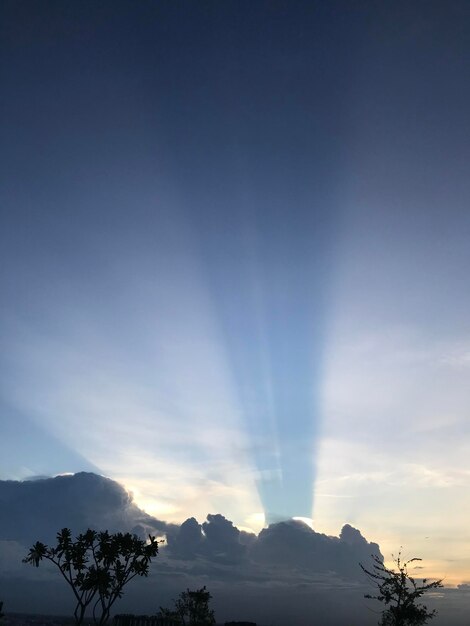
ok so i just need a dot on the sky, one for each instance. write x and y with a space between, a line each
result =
233 261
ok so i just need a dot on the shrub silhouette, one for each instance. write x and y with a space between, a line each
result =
400 593
97 566
191 609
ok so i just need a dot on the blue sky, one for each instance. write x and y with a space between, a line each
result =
234 253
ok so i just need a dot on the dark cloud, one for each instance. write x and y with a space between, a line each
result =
217 539
294 545
284 546
186 541
36 509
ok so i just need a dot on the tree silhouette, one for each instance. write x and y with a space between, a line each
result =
191 609
97 566
400 593
1 612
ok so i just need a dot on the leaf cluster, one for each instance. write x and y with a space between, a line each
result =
400 592
96 565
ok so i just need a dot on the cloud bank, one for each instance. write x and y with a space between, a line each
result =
284 575
245 572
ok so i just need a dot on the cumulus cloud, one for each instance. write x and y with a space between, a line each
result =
295 545
37 509
282 547
216 539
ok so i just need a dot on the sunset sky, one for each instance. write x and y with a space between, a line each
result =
234 260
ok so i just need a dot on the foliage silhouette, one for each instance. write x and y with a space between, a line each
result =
400 592
97 566
191 609
1 612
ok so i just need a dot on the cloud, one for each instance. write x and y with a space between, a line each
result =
216 539
34 510
12 554
289 549
295 545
